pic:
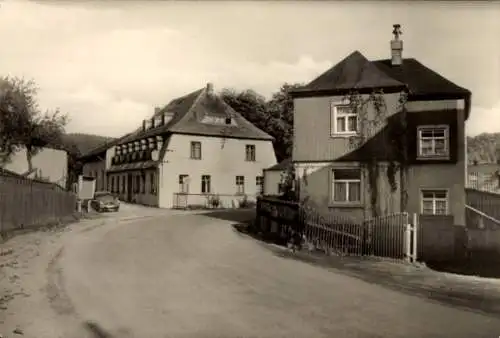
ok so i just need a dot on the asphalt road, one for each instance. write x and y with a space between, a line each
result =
194 276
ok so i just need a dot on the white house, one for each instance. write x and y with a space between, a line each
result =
192 151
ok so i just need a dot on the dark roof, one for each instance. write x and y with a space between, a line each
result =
419 79
357 72
353 72
188 112
283 165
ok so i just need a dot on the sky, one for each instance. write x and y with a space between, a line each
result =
109 63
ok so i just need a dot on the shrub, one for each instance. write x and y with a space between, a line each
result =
245 203
214 201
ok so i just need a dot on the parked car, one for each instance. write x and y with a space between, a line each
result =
105 201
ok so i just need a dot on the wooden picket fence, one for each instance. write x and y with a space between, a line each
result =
391 236
26 203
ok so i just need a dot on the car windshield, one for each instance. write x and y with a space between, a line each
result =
105 198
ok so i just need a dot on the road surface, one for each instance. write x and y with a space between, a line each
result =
194 276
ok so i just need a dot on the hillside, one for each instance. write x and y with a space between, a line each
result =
82 143
483 148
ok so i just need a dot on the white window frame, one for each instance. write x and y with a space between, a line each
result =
434 199
250 153
196 150
446 138
240 185
347 182
259 182
184 184
207 181
334 115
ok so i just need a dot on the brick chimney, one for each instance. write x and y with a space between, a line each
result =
157 110
210 88
396 46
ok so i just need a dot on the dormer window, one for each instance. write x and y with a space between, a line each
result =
159 141
221 120
157 121
167 117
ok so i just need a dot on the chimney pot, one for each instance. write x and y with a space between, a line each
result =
396 46
157 110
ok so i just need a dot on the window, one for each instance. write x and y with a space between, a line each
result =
250 152
196 150
240 185
259 182
205 184
143 183
152 183
184 184
435 202
346 185
344 120
112 184
433 141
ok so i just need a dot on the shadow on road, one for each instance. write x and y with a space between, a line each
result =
97 331
481 264
232 215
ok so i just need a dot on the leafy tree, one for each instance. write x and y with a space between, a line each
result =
274 116
23 124
280 107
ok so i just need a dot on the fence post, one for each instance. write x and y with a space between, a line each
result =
415 237
408 240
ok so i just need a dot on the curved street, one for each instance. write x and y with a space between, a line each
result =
194 276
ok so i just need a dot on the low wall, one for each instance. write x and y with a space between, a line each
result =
483 240
439 239
182 201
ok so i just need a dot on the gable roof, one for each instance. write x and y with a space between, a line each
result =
357 72
188 111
